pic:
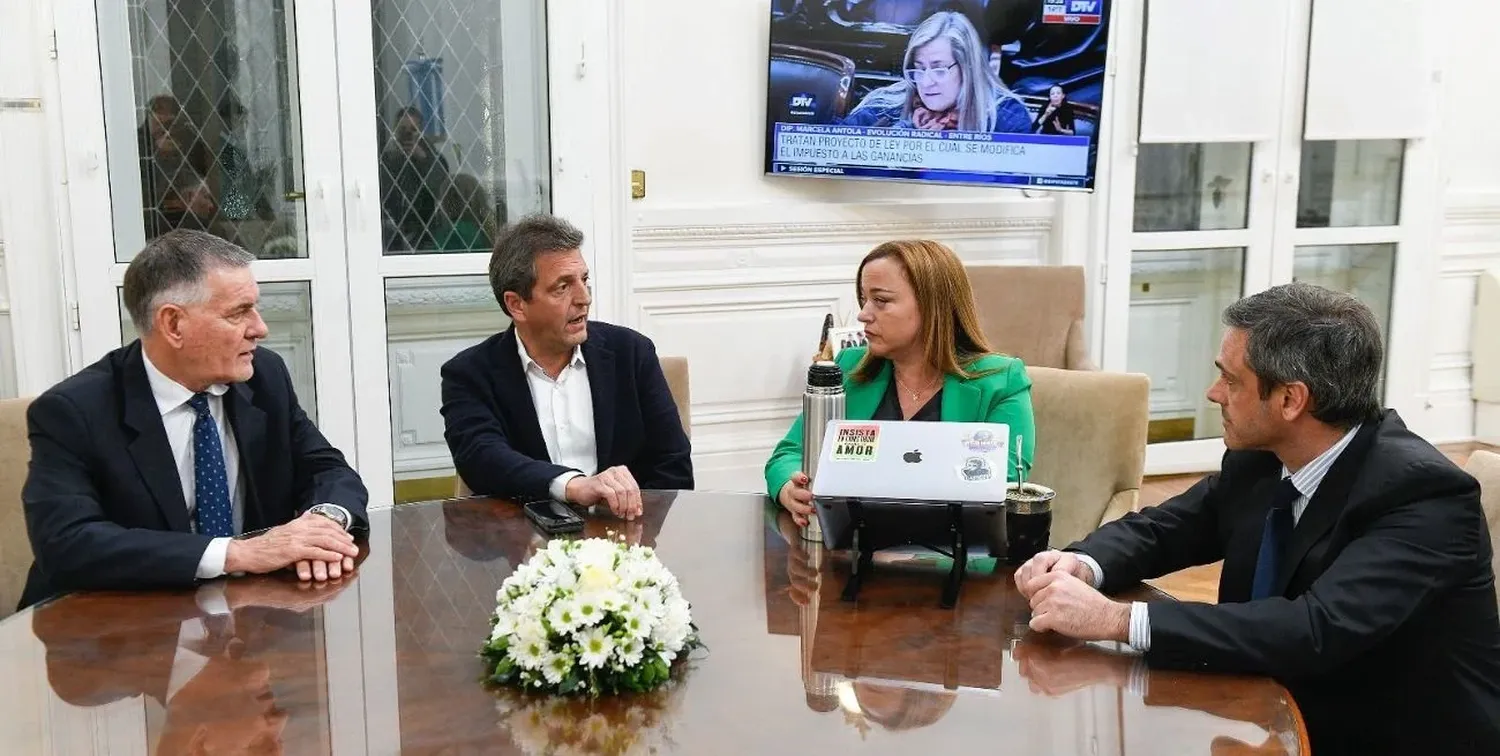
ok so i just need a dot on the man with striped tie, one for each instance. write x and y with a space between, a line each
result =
1356 556
147 465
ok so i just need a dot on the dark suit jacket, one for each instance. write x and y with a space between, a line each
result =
496 441
104 505
1384 623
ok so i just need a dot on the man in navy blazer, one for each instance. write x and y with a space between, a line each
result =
557 405
1357 564
148 466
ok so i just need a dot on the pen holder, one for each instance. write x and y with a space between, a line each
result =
1028 520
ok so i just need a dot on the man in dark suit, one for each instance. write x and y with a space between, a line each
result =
1356 558
148 465
560 406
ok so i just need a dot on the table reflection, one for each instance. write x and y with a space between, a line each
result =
386 661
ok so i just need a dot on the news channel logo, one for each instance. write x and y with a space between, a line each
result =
1073 12
802 104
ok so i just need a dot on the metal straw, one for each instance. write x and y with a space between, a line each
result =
1020 462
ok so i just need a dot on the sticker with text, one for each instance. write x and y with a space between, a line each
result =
982 441
856 443
976 469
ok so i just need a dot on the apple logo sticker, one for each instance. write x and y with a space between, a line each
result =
914 456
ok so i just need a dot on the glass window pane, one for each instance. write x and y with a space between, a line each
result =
1367 271
461 94
1192 187
286 306
428 320
1355 183
1176 300
217 126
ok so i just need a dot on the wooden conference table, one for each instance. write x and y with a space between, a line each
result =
387 662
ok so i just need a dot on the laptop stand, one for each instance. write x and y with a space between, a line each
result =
863 560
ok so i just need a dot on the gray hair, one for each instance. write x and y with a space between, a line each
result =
1329 341
513 263
171 269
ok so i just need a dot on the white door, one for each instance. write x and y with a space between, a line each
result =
366 153
213 119
1197 223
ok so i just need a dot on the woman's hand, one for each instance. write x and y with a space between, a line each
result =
796 497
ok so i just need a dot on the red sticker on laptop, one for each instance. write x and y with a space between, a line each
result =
856 443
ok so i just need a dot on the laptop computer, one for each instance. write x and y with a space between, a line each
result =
904 475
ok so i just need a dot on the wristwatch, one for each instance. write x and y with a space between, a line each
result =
337 514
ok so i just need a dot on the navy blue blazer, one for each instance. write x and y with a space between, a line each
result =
103 501
1383 626
496 441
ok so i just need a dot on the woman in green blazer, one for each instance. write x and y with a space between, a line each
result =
926 360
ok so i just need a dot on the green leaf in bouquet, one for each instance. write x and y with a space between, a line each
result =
505 671
570 683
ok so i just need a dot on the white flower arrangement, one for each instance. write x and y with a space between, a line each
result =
589 617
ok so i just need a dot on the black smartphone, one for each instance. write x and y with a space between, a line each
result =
552 518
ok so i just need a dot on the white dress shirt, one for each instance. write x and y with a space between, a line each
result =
565 412
178 418
1306 482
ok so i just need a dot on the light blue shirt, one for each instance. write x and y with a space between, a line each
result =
1306 482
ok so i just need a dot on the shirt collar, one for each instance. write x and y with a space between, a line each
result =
1311 475
527 362
170 394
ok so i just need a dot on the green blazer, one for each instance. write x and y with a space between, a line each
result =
1000 394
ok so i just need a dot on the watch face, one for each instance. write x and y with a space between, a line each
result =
332 514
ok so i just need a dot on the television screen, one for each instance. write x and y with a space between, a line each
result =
1000 92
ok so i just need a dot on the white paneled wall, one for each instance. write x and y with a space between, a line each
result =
1469 240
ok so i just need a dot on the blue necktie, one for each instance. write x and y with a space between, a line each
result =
1273 538
212 511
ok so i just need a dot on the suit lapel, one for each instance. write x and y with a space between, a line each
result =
248 424
150 450
599 363
515 396
1326 506
861 399
960 401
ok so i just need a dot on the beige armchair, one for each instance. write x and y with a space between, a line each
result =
676 371
15 545
1485 467
1034 312
1090 445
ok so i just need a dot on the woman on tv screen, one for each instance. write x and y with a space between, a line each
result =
947 83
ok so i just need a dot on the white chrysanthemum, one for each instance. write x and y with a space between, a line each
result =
629 651
588 609
652 603
611 601
638 623
596 553
594 647
561 576
556 666
504 625
529 653
532 604
564 616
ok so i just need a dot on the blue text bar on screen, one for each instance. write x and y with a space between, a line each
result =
905 150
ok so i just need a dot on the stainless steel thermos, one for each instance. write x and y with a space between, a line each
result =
822 403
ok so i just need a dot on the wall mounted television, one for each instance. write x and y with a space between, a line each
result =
988 92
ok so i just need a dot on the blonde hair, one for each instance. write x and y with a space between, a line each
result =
950 330
981 88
